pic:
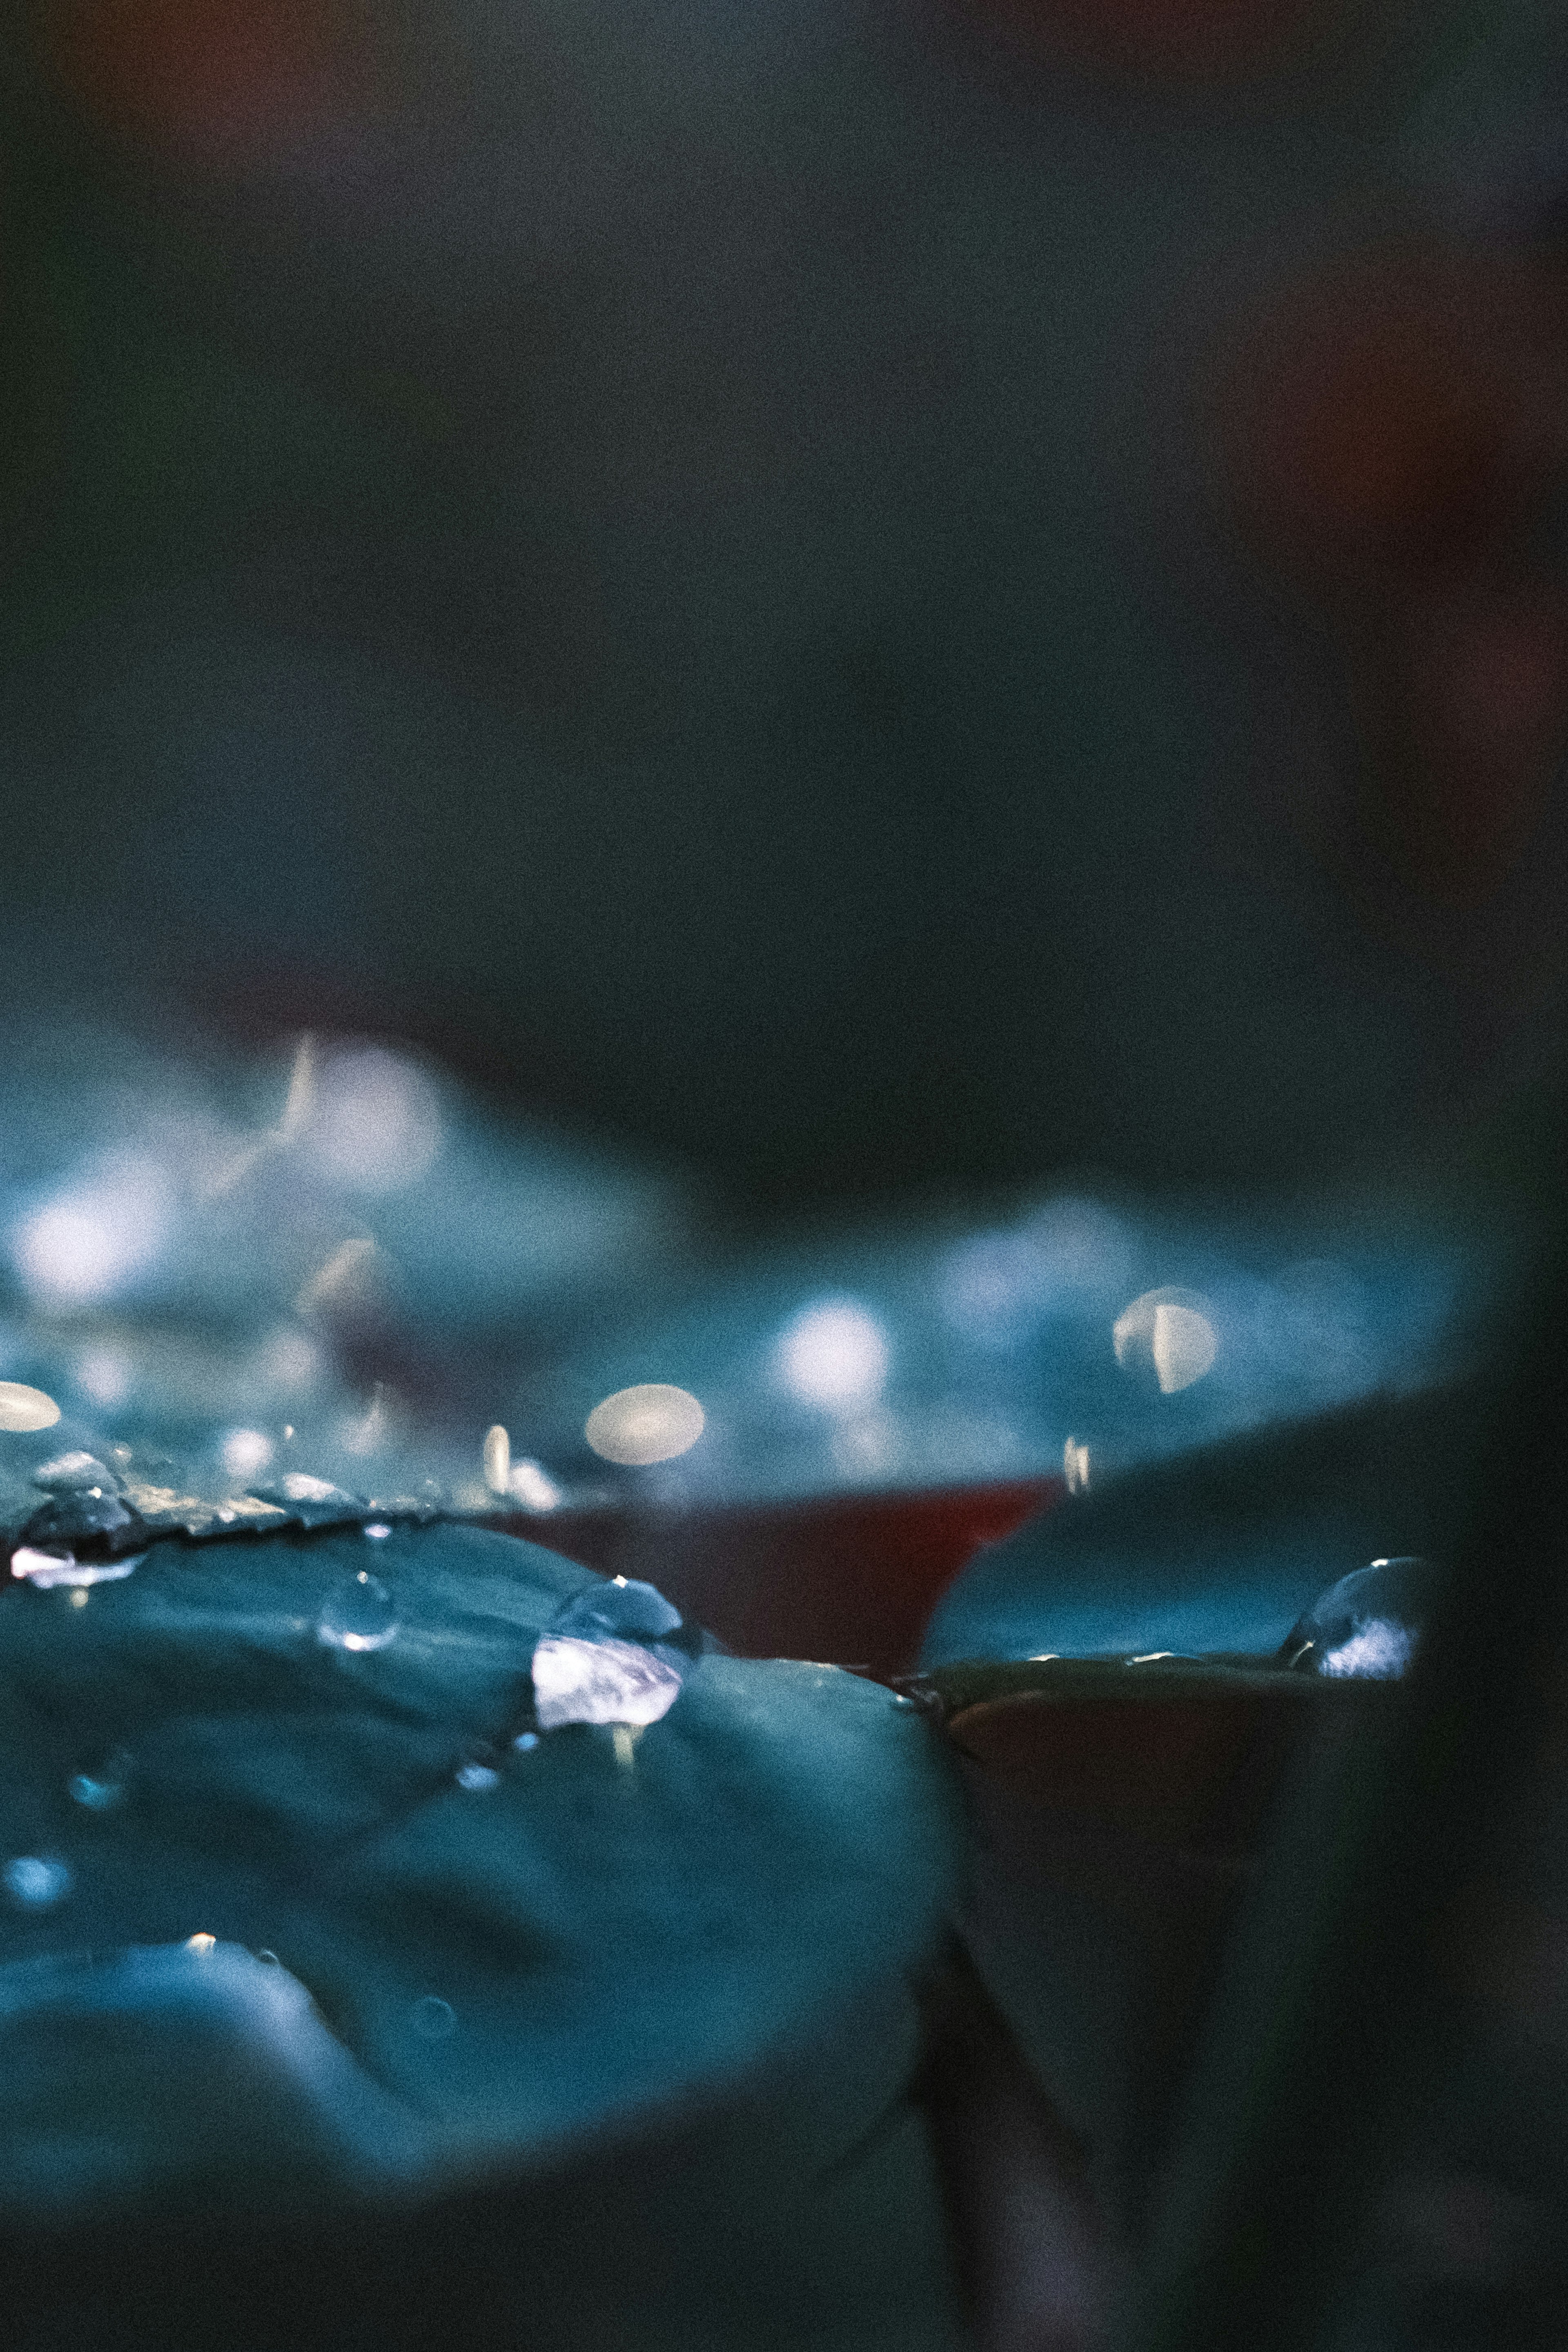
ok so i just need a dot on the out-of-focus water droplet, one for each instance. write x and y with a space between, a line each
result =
433 2019
378 1531
601 1681
45 1569
101 1789
70 1474
496 1458
478 1778
835 1354
525 1742
1075 1466
22 1408
358 1613
78 1599
653 1422
373 1122
201 1943
1368 1625
245 1452
298 1486
532 1485
35 1883
1168 1333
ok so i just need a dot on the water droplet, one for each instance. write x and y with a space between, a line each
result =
201 1943
35 1885
653 1422
22 1408
433 2019
1368 1625
358 1614
1168 1334
378 1531
619 1608
103 1789
525 1741
477 1778
70 1474
906 1703
269 1960
496 1458
533 1486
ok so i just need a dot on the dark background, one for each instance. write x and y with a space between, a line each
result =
695 559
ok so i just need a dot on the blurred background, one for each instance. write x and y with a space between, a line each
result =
789 639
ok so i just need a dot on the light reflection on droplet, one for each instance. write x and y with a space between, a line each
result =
476 1778
1075 1466
1380 1651
34 1884
22 1408
45 1569
378 1531
653 1422
1168 1332
525 1742
833 1353
496 1459
358 1614
245 1452
433 2019
601 1681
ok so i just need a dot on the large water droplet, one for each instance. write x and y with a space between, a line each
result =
35 1885
432 2019
358 1614
616 1652
1368 1625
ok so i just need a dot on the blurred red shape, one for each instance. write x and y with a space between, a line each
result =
1182 40
848 1578
1400 410
1395 429
208 80
1465 707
